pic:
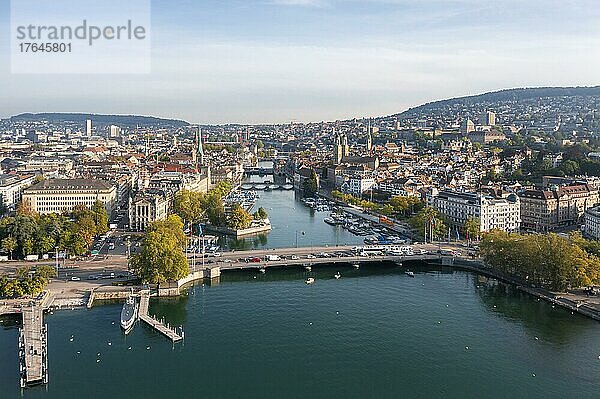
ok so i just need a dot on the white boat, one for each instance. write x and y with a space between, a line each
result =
337 275
356 265
310 280
409 273
129 314
262 270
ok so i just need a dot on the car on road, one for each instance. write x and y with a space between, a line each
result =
217 254
75 278
255 259
310 256
294 257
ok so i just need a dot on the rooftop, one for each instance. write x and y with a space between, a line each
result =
71 184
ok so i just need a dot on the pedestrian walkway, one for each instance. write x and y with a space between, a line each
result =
168 331
33 347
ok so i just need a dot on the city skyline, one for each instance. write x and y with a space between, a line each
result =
310 60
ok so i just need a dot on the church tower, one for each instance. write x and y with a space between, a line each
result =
369 137
197 150
338 150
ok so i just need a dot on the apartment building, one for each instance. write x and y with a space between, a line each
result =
548 209
591 226
11 189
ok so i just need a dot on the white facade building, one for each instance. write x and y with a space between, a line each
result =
357 184
492 213
591 226
11 189
146 207
62 195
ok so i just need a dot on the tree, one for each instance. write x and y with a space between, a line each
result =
9 244
551 261
100 217
188 205
472 227
260 214
27 246
239 218
310 186
214 209
45 244
427 220
25 208
161 257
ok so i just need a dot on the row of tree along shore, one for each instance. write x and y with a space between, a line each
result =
550 261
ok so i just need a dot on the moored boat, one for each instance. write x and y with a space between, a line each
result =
128 314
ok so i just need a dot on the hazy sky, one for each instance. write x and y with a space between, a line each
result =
311 60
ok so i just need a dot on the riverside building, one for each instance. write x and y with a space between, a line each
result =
492 212
548 209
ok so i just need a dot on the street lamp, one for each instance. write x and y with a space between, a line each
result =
56 260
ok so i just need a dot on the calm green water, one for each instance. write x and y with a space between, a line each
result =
292 220
374 333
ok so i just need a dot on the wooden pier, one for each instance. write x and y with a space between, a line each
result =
33 347
168 331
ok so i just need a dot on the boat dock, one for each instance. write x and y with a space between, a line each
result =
33 347
168 331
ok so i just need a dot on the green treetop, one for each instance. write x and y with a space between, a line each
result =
161 257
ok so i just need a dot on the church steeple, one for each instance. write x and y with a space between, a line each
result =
198 151
369 137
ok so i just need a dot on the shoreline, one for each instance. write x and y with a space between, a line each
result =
572 302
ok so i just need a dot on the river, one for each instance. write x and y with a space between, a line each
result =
293 223
376 332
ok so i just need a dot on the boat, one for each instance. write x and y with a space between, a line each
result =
310 280
330 221
337 275
356 265
262 270
128 314
409 273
